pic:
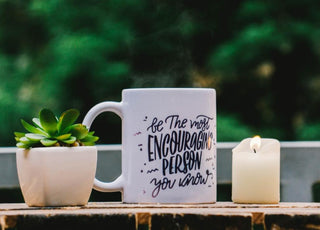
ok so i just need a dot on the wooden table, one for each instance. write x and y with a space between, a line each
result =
103 215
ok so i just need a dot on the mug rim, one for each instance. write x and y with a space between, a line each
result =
167 89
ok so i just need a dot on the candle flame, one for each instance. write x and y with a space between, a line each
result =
209 142
255 143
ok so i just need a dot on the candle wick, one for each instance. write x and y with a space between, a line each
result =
254 150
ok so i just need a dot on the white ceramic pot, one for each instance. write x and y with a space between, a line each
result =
56 176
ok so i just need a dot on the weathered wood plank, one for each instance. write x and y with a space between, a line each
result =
181 221
221 215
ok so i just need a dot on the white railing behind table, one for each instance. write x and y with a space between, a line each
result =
300 167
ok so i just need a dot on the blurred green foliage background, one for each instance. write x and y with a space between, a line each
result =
262 57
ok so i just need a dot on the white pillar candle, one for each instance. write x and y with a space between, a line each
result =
256 171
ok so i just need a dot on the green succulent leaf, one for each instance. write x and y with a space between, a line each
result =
63 137
79 131
48 121
19 134
48 130
21 145
89 139
35 137
71 140
67 118
37 122
26 141
32 129
88 143
48 142
91 133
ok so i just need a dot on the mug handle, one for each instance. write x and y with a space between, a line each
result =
115 107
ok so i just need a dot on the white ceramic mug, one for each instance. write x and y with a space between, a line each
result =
168 145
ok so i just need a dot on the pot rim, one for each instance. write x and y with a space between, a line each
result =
56 149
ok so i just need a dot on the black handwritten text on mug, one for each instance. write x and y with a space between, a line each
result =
162 145
175 122
179 143
201 122
184 163
156 125
189 179
161 184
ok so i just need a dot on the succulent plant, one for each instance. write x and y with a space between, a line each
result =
48 130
